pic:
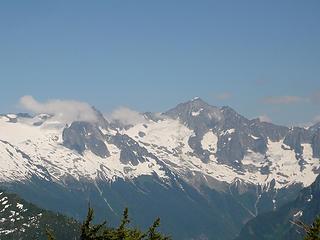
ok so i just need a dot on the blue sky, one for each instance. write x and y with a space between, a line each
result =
259 57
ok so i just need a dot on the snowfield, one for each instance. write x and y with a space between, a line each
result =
28 149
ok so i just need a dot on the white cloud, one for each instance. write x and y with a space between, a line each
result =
265 118
283 100
127 116
224 96
291 99
316 119
313 121
62 110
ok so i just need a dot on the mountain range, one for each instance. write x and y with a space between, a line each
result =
207 172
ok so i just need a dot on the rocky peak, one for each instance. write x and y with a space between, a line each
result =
268 130
196 114
232 119
81 136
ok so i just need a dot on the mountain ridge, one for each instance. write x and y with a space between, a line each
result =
193 151
23 220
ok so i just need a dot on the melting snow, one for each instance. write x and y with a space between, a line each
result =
24 146
229 131
197 113
298 214
209 141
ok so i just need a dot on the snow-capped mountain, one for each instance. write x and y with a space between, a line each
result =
193 151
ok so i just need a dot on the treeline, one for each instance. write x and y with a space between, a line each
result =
312 231
90 231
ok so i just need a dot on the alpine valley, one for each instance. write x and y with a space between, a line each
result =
205 171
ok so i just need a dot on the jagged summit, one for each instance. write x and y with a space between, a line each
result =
196 102
196 113
195 99
194 153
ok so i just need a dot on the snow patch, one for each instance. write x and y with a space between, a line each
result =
298 214
209 142
194 114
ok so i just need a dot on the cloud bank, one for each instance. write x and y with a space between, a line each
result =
265 118
285 100
62 110
126 116
224 96
316 119
291 99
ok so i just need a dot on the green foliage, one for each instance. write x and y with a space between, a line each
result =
91 231
153 234
49 234
88 231
312 231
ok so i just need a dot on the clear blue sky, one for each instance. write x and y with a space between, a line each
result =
259 57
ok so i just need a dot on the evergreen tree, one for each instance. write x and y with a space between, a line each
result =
153 234
90 231
123 232
312 231
49 234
